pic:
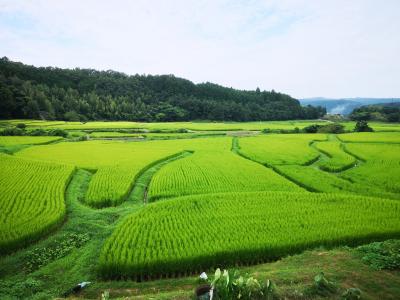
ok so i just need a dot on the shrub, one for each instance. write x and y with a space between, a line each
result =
382 255
331 128
38 132
13 131
362 126
312 128
266 130
21 126
58 132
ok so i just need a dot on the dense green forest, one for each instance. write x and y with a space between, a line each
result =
85 94
389 112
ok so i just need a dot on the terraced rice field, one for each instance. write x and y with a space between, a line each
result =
226 201
112 134
194 233
381 169
212 172
116 164
31 199
27 140
370 137
281 149
338 159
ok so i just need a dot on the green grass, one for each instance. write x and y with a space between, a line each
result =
194 233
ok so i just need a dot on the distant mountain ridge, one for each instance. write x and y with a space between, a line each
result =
345 106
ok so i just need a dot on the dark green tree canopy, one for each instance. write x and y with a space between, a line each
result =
378 112
85 94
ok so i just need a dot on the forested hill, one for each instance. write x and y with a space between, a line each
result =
85 94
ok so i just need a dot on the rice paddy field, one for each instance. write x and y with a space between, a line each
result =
173 204
195 126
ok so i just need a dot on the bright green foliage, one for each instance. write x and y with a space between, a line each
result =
380 137
215 172
281 149
117 163
26 140
313 179
272 125
287 125
194 233
382 255
229 284
31 199
381 169
112 134
338 159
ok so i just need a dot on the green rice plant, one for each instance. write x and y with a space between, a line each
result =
370 137
31 199
27 140
281 149
381 167
117 164
214 172
272 125
194 233
112 134
207 126
315 180
338 159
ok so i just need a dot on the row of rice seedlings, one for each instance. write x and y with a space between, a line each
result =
338 159
193 233
31 199
315 180
381 169
281 149
117 164
215 172
27 140
370 137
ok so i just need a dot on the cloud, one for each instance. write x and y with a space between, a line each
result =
304 48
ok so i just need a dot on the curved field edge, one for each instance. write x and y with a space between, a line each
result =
236 149
194 233
95 202
338 159
140 188
40 188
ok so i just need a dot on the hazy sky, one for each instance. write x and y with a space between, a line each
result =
304 48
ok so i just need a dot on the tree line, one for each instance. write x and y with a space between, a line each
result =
85 94
377 112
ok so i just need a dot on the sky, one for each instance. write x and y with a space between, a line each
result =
305 48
